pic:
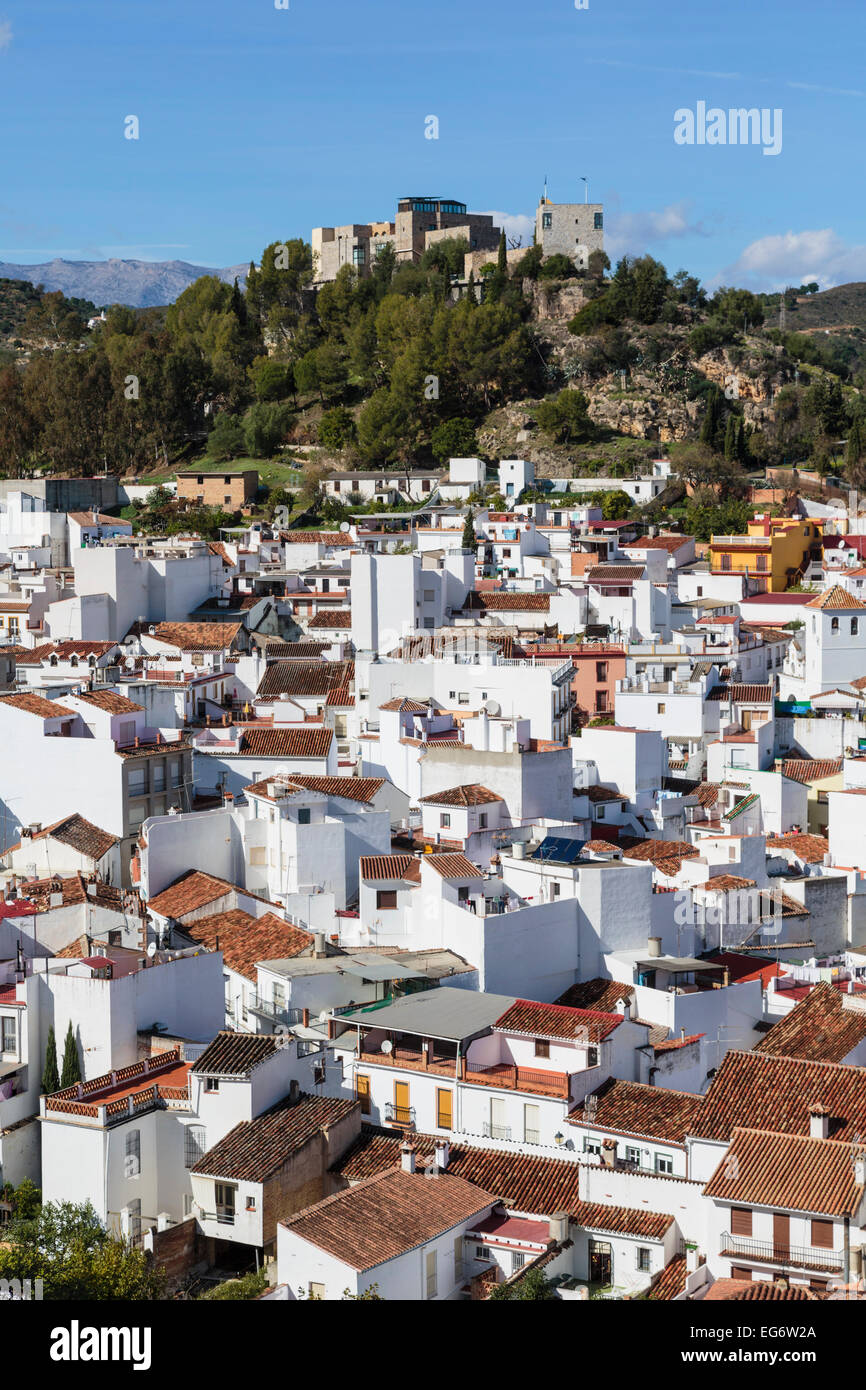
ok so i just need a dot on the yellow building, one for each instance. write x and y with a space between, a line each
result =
820 776
774 553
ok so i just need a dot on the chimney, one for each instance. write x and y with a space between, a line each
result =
654 946
294 1091
608 1153
623 1006
305 1017
443 1153
819 1122
319 945
558 1227
407 1156
691 1258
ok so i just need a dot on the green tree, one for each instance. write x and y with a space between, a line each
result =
533 1287
557 267
454 438
470 539
71 1065
68 1248
712 418
737 308
566 417
616 505
50 1074
270 380
265 426
226 439
731 437
336 428
502 255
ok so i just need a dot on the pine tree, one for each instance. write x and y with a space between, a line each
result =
470 540
71 1067
50 1076
731 438
502 258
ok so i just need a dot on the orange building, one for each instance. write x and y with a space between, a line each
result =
229 490
774 553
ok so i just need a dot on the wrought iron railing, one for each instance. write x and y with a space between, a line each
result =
780 1253
399 1114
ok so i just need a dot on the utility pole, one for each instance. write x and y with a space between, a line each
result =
586 182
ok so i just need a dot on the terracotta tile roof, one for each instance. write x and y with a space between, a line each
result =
340 699
670 543
516 603
110 701
387 1215
757 1291
331 617
31 703
598 795
601 847
73 890
307 742
726 883
819 1028
673 1044
236 1054
102 519
835 598
316 538
743 694
401 704
810 848
361 789
630 1107
670 1282
600 994
708 793
659 852
79 834
255 1149
299 651
761 1091
524 1182
614 574
470 794
217 548
632 1221
300 678
453 866
389 866
791 1171
192 890
197 637
811 769
557 1021
244 940
69 648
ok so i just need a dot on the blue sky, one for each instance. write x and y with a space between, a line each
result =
258 123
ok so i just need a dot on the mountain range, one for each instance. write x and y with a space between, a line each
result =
140 284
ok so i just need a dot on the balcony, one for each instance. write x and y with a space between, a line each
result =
273 1012
510 1078
496 1131
400 1115
787 1256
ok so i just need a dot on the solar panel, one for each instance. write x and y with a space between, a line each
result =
557 849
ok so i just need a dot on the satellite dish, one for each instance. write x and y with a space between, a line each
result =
151 950
387 1046
344 526
492 707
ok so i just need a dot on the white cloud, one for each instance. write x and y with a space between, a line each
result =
5 34
795 258
514 224
629 233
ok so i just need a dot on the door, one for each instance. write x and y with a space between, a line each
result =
498 1127
402 1113
362 1092
600 1262
443 1109
781 1235
746 719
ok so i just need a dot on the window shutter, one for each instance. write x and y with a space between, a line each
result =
822 1234
741 1221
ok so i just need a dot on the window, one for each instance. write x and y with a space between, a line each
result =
386 899
482 1252
660 709
362 1092
174 770
547 220
225 1203
822 1235
358 255
458 1259
137 781
542 1047
664 1164
643 1259
592 1056
517 1261
158 774
429 595
555 889
193 1145
592 1146
444 820
834 624
601 670
9 1035
855 626
598 221
315 1291
132 1156
463 697
211 1085
250 1202
303 815
432 1281
602 703
741 1221
531 1124
443 1109
482 820
632 1155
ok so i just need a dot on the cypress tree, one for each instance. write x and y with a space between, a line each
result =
855 442
502 258
470 540
71 1067
731 438
50 1076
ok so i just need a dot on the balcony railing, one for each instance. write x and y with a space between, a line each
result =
399 1114
496 1131
267 1008
503 1074
789 1256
